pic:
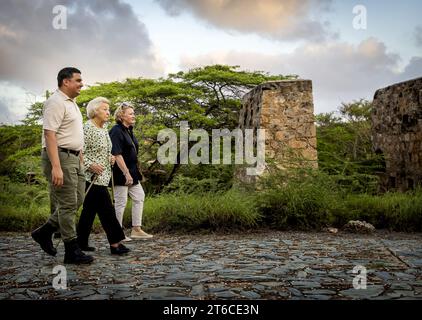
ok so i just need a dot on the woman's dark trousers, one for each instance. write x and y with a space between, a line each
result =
98 201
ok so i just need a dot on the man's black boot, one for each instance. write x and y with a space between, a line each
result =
84 246
43 235
73 254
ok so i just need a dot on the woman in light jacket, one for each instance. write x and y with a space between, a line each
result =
98 161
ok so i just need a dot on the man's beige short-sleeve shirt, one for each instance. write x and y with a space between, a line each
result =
61 114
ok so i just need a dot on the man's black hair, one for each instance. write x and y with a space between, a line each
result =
66 73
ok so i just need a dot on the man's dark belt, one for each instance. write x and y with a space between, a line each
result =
76 153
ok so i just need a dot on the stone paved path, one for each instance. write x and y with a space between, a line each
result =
265 265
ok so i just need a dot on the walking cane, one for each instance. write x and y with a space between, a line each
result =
86 192
112 186
92 182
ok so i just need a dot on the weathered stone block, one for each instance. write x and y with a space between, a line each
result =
397 133
285 110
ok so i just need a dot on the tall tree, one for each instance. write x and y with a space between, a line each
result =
206 97
345 147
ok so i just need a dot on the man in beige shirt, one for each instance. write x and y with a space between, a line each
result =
62 143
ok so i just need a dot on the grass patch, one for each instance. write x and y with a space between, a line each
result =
300 200
188 212
395 211
22 207
306 202
309 200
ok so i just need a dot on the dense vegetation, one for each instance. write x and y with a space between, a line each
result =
194 197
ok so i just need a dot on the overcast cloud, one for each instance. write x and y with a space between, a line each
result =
340 72
104 39
281 20
108 41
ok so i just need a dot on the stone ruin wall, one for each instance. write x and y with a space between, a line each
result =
285 110
397 134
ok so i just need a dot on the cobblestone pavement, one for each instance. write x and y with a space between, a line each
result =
264 265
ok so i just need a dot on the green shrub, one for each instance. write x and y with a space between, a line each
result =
299 199
22 219
187 185
310 199
395 211
187 212
21 151
302 200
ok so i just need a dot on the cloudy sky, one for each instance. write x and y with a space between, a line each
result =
327 41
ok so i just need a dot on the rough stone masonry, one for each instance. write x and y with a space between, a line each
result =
397 134
285 110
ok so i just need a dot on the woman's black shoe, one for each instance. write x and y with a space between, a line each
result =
121 249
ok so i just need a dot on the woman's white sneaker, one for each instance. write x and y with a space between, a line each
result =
127 239
140 234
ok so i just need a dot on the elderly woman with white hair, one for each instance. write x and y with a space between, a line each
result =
98 161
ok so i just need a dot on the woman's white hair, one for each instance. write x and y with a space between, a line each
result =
93 106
